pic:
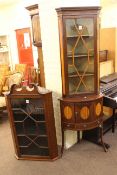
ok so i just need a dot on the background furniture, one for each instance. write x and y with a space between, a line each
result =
82 104
109 89
4 50
5 85
31 117
5 72
36 33
33 75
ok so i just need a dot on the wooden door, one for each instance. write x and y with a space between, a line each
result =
24 45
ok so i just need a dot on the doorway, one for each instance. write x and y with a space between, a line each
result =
24 46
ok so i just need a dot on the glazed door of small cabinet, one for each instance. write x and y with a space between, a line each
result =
81 54
67 111
30 126
84 112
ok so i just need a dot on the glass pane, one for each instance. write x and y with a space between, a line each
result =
30 126
80 54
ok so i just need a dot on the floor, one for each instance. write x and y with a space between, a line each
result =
82 159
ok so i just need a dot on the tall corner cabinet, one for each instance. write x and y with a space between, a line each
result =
81 103
30 110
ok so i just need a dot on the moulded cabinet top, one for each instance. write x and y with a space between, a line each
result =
33 9
67 10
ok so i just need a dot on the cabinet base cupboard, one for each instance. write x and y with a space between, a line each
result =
81 103
32 123
82 114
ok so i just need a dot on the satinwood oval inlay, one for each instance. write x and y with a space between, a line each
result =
68 112
84 112
98 109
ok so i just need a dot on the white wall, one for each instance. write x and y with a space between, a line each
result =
108 13
109 19
51 54
13 17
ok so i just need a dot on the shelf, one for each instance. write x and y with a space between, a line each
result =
76 36
42 147
79 55
18 121
76 75
40 135
34 151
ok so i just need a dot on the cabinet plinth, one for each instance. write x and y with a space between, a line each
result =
31 117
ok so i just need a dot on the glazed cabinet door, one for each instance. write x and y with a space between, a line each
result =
30 126
78 31
81 60
30 111
89 114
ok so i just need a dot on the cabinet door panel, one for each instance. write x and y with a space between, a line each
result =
84 112
98 108
30 125
80 55
67 111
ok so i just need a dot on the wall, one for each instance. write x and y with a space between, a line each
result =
108 43
13 17
108 13
109 28
51 54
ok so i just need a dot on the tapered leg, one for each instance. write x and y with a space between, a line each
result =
62 147
113 121
105 147
78 136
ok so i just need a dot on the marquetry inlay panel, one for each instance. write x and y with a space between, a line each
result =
84 113
68 112
98 109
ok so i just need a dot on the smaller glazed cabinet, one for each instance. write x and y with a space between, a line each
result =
30 111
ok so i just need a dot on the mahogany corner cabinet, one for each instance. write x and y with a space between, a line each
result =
30 111
81 103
